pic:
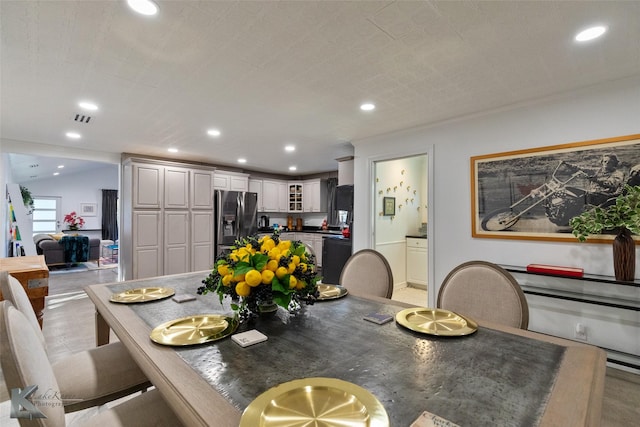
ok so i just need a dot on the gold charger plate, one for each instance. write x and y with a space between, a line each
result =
328 292
326 402
192 330
142 295
435 321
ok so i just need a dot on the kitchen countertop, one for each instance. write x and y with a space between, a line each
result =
416 236
315 230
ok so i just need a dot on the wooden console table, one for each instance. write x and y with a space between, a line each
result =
33 274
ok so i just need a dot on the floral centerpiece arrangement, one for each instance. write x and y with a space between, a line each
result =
261 272
74 221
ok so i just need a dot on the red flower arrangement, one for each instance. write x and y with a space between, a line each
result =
74 221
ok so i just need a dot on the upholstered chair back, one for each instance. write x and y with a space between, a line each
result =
24 363
367 272
13 291
484 291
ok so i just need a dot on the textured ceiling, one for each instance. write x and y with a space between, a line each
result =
271 73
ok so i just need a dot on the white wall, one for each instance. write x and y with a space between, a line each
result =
603 111
402 179
79 188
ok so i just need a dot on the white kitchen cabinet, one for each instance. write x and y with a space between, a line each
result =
270 196
283 197
314 240
176 242
255 186
202 255
147 186
417 261
176 188
230 181
314 195
166 217
295 197
146 244
201 189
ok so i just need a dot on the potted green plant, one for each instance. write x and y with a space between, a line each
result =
27 199
623 217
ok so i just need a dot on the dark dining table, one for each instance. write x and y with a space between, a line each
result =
497 376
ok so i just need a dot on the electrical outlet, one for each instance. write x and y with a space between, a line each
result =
581 332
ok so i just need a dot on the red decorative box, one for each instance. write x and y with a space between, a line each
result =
556 270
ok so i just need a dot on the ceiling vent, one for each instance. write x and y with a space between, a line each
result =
82 118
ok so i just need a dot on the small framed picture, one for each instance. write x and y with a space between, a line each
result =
88 209
389 206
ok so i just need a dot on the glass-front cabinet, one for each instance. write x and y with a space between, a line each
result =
295 197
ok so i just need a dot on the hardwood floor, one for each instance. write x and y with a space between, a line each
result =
69 327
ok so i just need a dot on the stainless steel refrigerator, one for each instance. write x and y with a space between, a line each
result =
236 216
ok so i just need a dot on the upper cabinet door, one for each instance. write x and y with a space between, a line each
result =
239 183
147 186
270 195
201 189
176 188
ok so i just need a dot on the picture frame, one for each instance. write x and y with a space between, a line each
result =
388 206
88 209
532 194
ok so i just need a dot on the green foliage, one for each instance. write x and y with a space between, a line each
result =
625 213
249 254
27 198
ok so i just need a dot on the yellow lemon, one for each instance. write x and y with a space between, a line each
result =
267 277
242 289
223 269
272 265
281 272
292 268
284 245
303 266
239 278
292 282
273 253
243 254
267 245
301 285
226 280
253 278
295 259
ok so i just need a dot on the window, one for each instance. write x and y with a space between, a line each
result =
46 215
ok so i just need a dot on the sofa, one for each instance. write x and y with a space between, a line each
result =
53 249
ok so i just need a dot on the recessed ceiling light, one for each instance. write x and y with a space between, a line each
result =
73 135
60 166
172 150
213 132
88 105
143 7
367 107
293 168
242 160
56 173
290 148
590 33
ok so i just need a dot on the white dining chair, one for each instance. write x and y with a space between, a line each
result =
367 272
484 291
24 364
92 377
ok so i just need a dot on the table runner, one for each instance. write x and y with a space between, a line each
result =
488 378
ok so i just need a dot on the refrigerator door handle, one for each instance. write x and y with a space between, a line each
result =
240 215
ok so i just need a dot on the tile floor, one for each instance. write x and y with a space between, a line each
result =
69 327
